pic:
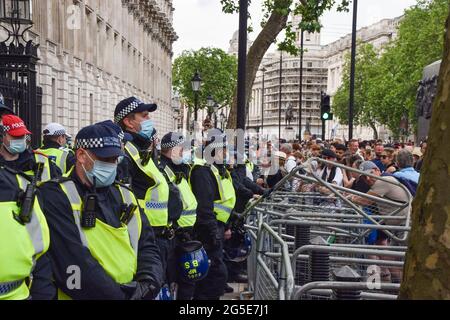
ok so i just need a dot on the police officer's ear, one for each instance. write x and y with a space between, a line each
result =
83 158
129 123
62 141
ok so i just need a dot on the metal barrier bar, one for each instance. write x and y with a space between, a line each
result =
343 250
340 285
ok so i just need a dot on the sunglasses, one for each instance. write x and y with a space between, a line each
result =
384 156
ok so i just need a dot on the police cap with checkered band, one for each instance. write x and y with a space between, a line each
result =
131 105
171 140
100 139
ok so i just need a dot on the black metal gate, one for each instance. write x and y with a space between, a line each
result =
18 85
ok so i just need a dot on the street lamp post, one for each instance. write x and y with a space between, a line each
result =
352 71
216 110
262 100
196 84
242 64
279 95
210 104
300 102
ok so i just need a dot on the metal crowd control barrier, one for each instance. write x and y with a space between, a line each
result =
306 236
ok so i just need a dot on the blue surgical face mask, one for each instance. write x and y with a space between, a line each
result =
104 172
17 146
187 157
146 129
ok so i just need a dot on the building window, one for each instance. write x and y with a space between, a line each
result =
310 64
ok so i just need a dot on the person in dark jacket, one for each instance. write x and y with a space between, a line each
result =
98 251
212 214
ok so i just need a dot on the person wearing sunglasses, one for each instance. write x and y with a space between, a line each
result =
387 159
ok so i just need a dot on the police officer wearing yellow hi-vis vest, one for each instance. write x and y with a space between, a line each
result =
54 147
102 246
25 270
213 188
175 159
147 181
14 152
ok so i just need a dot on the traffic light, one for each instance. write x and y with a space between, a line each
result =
325 107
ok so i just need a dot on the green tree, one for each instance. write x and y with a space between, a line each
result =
276 20
419 43
217 69
365 113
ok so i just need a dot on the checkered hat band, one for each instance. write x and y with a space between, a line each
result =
218 144
172 144
6 128
57 133
126 111
90 143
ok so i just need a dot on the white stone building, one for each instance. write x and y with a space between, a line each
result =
322 71
377 34
93 53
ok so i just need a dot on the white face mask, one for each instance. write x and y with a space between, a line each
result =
17 146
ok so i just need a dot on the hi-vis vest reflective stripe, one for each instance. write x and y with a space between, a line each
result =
39 158
156 200
21 246
58 156
115 249
225 205
189 214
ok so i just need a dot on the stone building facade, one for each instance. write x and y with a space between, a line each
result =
93 53
314 81
378 34
322 71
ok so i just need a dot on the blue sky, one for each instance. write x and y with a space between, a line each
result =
201 23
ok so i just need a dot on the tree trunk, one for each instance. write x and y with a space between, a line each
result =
266 37
427 266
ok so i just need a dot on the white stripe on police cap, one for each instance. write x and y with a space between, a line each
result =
172 144
127 110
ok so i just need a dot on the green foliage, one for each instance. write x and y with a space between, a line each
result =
420 42
365 110
386 86
217 69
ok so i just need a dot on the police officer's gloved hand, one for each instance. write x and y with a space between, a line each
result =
182 235
146 289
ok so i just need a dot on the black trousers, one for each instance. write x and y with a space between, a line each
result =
166 251
213 286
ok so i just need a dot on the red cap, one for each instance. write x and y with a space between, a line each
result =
14 126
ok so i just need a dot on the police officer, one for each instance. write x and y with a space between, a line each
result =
15 154
55 140
102 246
25 270
175 158
213 188
147 181
122 169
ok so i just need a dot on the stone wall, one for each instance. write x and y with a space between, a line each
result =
93 53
